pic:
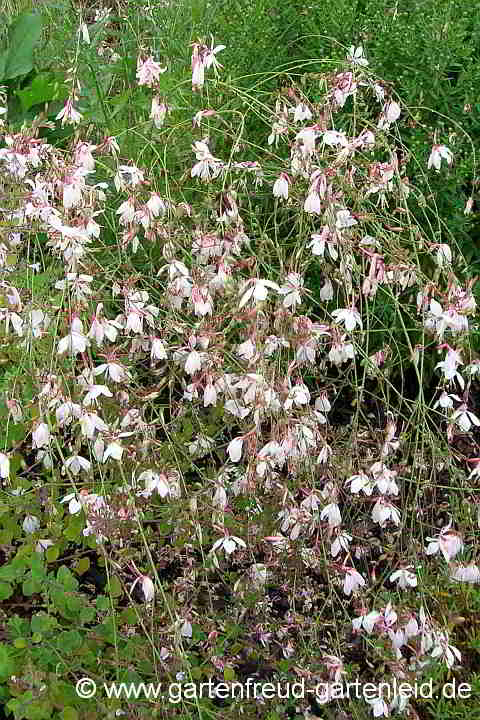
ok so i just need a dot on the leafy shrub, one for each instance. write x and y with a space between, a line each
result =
239 383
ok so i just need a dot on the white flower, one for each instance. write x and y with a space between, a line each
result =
126 211
76 463
40 436
368 621
307 138
90 422
280 186
299 395
449 542
201 445
202 301
334 137
74 506
443 255
449 366
148 588
465 419
229 544
210 56
193 363
391 113
94 391
344 219
186 631
43 544
341 542
332 513
292 291
326 291
158 112
379 706
349 316
207 167
404 578
75 342
68 114
258 290
360 482
322 241
447 652
438 153
312 203
383 511
72 195
355 56
158 351
466 573
117 373
446 401
154 481
246 350
234 449
209 395
114 450
300 113
31 524
353 580
236 408
341 352
4 466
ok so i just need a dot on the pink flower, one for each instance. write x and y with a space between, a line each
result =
312 203
439 153
391 112
158 112
148 71
448 542
68 114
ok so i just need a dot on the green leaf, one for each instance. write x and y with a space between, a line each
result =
69 713
38 568
7 663
3 61
82 565
69 641
228 674
52 553
67 579
115 587
6 591
42 90
31 586
102 603
43 623
24 34
87 615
